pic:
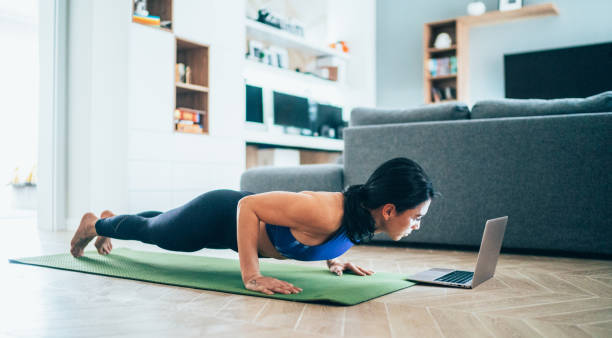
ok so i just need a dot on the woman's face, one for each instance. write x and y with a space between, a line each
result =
399 225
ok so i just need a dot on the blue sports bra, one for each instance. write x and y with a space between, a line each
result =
283 240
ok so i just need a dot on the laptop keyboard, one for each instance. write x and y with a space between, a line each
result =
459 277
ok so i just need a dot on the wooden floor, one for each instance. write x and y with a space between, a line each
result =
529 296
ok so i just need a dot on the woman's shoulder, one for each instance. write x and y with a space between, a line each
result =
331 207
318 212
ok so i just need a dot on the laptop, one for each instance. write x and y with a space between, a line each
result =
485 264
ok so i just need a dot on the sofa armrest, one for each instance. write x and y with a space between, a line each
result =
313 177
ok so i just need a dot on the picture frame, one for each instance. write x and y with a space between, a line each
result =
280 57
256 48
509 5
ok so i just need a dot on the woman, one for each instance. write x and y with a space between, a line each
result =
304 226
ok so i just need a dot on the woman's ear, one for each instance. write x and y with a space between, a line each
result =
388 211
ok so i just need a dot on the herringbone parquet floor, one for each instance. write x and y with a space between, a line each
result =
530 296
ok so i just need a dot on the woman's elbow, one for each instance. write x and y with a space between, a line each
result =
243 202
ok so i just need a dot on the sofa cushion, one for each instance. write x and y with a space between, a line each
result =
433 112
535 107
313 177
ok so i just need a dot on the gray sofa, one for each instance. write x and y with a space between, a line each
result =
544 163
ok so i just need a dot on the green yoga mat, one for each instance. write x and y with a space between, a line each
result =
222 274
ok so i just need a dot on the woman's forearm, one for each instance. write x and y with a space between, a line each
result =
248 234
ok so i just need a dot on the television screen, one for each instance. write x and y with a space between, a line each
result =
557 73
254 104
291 110
328 115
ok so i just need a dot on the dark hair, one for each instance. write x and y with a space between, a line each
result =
400 181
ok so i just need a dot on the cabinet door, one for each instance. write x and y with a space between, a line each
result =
195 20
151 79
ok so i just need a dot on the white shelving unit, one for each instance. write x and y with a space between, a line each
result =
297 141
259 31
292 82
288 73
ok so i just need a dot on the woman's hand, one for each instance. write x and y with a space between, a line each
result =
269 285
337 267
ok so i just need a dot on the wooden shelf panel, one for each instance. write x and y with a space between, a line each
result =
259 31
196 57
185 87
442 50
447 22
442 77
495 17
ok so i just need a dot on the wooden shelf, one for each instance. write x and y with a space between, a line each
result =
259 31
496 17
458 29
182 87
442 50
442 77
193 95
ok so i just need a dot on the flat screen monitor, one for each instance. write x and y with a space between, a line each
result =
291 111
328 115
557 73
254 104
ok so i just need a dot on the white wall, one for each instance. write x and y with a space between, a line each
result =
123 152
400 43
578 23
18 93
355 22
98 49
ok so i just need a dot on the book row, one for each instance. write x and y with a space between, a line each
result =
442 66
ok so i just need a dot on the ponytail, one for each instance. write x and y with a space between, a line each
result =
357 219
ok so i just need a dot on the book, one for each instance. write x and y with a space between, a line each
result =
189 128
184 122
147 20
437 96
431 65
442 66
188 114
150 17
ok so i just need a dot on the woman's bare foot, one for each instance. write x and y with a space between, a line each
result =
103 244
84 234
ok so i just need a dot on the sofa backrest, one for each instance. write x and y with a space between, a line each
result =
487 109
433 112
549 174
